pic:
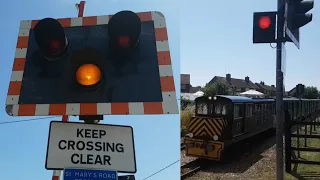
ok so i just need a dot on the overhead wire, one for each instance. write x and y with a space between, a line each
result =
161 169
26 120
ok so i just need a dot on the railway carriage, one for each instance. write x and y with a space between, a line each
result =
221 121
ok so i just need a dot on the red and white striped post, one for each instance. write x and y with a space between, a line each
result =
56 173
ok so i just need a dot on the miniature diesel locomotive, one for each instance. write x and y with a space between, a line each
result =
221 121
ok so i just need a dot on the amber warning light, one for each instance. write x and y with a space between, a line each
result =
88 74
264 22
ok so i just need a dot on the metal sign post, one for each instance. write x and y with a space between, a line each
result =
279 89
56 173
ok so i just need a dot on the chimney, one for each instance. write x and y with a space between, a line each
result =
228 77
246 79
262 83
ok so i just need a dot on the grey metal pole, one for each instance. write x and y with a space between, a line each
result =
279 89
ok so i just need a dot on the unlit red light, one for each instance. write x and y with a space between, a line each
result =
88 74
55 44
264 22
124 41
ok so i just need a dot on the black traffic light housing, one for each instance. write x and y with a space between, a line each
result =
297 16
264 27
51 39
99 48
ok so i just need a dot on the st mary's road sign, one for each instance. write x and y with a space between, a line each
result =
89 174
90 146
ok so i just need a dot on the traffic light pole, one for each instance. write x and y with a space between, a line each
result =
279 89
57 173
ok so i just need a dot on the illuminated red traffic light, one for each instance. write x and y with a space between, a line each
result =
264 27
264 22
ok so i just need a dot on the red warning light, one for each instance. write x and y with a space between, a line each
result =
264 22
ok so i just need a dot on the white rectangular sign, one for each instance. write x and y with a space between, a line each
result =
90 146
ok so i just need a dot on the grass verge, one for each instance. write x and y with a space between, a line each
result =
304 171
185 117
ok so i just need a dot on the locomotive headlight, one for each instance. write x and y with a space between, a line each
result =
209 97
215 137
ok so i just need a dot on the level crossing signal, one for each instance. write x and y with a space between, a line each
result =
297 16
113 64
264 27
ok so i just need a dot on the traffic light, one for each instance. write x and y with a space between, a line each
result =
264 27
297 16
113 64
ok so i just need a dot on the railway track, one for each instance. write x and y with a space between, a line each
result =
191 168
234 155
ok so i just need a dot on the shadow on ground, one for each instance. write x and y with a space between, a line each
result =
241 156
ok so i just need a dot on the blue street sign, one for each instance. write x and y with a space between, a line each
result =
89 174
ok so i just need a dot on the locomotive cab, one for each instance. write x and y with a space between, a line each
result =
208 128
211 118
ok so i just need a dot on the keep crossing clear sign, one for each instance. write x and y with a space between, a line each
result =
90 146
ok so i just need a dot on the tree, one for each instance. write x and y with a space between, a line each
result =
210 90
311 92
222 87
218 88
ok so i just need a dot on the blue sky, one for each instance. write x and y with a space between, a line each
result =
23 145
216 38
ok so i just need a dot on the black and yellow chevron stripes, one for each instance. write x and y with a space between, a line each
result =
207 126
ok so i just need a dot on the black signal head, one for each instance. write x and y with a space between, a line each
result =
124 30
50 37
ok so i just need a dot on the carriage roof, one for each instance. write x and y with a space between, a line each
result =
234 99
242 99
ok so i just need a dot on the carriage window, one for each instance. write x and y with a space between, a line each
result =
202 108
289 108
258 107
224 110
218 109
269 107
236 111
249 110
